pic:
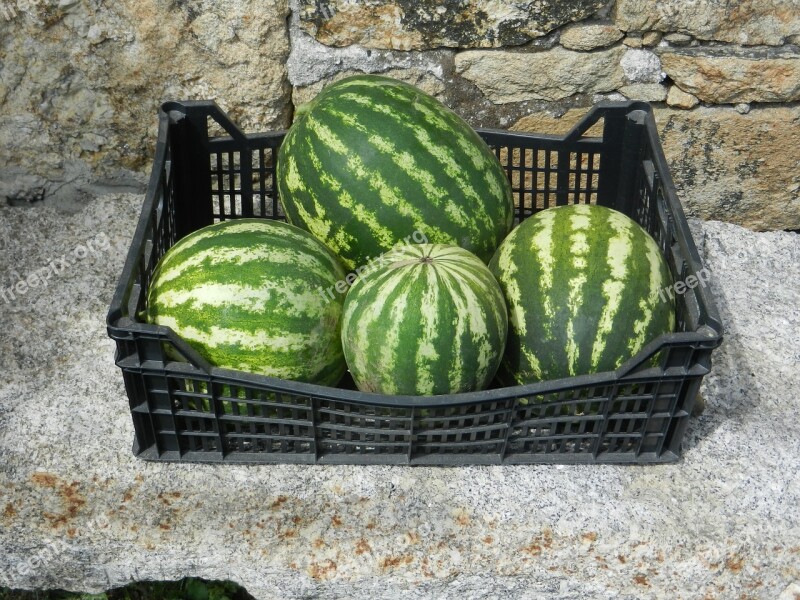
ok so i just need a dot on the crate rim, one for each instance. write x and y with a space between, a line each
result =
120 327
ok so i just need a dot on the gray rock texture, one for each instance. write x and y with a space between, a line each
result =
424 79
414 25
641 66
749 22
726 76
555 74
734 167
80 82
311 62
80 512
678 39
651 38
589 35
633 40
679 99
726 165
312 65
649 92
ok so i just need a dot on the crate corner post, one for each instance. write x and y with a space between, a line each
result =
191 171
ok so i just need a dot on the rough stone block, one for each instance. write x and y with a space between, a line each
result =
589 36
651 38
747 22
80 82
679 99
411 25
726 165
426 81
649 92
641 66
729 76
550 75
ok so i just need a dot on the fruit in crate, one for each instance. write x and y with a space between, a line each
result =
245 294
582 285
430 321
371 160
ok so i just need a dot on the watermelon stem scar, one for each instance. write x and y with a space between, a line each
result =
432 321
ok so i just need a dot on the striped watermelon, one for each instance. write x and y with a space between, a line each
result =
246 295
372 160
431 320
582 285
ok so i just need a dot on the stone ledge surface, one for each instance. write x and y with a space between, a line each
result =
79 512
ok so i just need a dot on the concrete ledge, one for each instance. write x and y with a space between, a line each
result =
79 512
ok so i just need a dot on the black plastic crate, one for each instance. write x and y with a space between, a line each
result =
192 412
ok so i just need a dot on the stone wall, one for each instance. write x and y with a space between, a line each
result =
80 81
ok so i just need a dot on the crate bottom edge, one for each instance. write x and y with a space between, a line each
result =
150 454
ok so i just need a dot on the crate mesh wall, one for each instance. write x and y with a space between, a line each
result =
185 411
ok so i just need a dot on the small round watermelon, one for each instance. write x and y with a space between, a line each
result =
582 285
372 160
246 294
431 320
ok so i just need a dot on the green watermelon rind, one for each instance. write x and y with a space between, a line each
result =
431 321
584 287
372 160
247 295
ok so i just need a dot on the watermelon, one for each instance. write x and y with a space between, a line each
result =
582 285
245 294
429 321
373 160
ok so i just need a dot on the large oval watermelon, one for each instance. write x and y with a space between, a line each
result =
246 294
582 284
372 160
432 320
